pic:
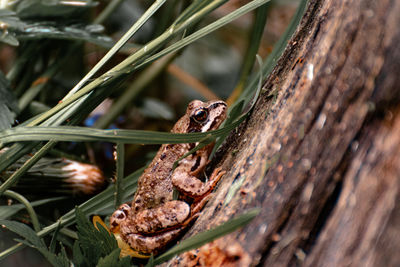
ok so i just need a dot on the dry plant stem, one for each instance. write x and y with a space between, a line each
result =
325 129
191 81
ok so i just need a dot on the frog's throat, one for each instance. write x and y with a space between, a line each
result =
126 250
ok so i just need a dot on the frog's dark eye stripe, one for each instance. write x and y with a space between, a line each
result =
196 164
216 104
200 115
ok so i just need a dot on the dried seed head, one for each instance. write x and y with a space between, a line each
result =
84 178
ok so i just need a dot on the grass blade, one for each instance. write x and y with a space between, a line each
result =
204 31
28 206
84 134
119 175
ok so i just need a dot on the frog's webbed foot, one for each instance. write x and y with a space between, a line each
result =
194 187
198 205
119 216
151 244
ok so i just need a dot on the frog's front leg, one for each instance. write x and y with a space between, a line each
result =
193 187
150 244
149 221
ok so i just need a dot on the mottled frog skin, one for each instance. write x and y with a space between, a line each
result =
154 218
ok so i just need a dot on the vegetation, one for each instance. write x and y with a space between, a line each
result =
50 44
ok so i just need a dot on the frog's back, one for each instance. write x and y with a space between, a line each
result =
155 186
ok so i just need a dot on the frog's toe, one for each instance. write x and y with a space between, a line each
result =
119 216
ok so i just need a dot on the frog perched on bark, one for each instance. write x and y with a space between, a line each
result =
154 218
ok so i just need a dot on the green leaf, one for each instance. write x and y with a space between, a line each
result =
52 30
95 247
63 258
59 259
31 212
56 260
24 231
150 262
113 259
33 240
8 211
78 258
15 29
52 8
208 236
235 111
52 246
8 103
95 244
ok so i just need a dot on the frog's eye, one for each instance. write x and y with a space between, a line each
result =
125 209
119 214
200 115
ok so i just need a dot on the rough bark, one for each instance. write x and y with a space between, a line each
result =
320 154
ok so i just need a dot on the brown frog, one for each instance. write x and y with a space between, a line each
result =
154 218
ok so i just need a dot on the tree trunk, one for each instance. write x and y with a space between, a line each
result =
320 154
